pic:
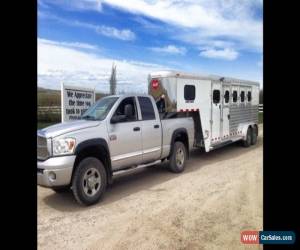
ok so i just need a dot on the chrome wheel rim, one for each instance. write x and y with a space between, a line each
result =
179 157
91 181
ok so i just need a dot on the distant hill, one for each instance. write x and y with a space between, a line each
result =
51 97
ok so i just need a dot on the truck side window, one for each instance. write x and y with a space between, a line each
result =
234 96
226 96
189 92
146 108
216 96
249 96
242 96
121 109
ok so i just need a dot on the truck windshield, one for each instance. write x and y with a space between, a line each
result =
100 109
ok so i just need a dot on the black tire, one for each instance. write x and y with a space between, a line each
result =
176 165
254 136
81 188
247 142
60 190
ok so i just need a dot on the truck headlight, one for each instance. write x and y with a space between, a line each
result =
63 146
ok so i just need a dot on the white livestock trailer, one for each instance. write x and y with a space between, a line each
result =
224 109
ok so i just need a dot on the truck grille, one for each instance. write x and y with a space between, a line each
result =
42 150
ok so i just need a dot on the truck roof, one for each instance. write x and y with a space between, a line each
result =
180 74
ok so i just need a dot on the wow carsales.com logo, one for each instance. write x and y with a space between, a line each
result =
268 237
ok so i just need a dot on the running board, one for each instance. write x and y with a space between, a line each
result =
221 144
121 171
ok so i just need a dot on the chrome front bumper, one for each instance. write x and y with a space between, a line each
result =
56 171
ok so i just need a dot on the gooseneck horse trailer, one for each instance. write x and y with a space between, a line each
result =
224 109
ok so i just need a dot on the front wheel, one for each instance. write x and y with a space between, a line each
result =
178 158
89 181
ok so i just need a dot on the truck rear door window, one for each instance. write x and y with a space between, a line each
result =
146 108
189 92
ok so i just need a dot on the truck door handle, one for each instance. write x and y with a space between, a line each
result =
156 126
136 129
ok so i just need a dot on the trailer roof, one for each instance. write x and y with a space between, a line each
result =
180 74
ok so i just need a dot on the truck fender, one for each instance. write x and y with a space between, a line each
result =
104 153
176 133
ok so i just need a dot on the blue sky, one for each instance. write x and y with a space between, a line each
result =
79 40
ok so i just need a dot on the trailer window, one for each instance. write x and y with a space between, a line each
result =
216 96
189 92
146 108
242 96
249 96
226 96
234 96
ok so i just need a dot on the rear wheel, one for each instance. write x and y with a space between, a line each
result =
178 158
254 136
247 141
89 181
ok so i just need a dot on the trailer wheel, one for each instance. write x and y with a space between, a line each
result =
178 158
247 142
254 136
89 181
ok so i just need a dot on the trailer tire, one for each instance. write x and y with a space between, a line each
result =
178 158
254 135
89 181
247 142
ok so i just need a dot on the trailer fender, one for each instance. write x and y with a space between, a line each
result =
244 128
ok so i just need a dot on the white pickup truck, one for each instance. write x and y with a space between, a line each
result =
116 133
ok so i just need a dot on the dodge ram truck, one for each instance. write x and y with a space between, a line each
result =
117 133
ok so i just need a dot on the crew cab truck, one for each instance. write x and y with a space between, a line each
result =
115 134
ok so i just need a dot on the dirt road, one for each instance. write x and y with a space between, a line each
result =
206 207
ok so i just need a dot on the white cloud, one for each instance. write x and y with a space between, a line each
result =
121 34
204 19
124 34
69 44
226 54
170 49
57 63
